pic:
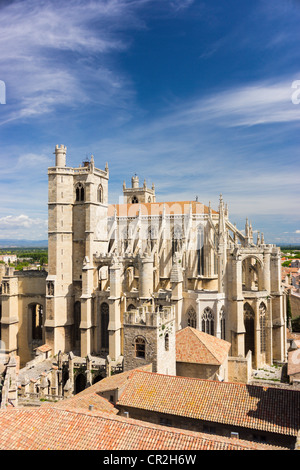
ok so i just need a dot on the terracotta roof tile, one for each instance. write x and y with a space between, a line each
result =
256 407
156 208
83 401
113 382
58 429
196 347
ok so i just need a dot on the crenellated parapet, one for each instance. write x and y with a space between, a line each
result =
150 316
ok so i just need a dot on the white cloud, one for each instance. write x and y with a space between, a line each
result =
22 226
56 53
248 105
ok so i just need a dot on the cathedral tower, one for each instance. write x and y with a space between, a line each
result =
77 228
137 194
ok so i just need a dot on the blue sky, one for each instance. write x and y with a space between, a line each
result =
199 97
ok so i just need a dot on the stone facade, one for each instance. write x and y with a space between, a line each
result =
106 261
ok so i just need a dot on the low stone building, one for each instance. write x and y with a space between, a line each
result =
201 355
75 428
254 413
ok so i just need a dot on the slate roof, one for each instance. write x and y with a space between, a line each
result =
196 347
52 428
268 409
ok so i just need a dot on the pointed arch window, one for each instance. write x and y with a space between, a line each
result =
134 200
191 318
222 323
176 239
77 319
262 323
200 251
131 307
79 192
208 322
249 328
104 312
37 318
152 236
100 193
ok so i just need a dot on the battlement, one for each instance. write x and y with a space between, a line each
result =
149 316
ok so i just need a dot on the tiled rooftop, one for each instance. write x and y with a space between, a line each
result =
261 408
52 428
157 208
83 401
196 347
113 382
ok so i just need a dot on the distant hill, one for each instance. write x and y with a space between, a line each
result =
11 243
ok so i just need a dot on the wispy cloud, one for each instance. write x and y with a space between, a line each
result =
55 53
247 105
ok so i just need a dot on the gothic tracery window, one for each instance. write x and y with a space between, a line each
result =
134 200
79 192
192 318
208 321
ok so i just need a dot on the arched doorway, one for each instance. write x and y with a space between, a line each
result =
99 377
80 383
249 327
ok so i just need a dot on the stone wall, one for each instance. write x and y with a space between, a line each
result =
200 371
295 305
240 368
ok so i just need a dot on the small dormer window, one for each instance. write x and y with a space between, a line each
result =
135 200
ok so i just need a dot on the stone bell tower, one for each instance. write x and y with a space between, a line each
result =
77 228
137 194
149 338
